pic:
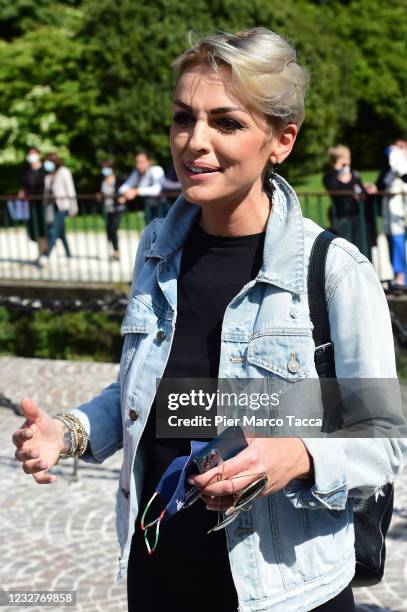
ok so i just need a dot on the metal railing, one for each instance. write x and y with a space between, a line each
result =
91 255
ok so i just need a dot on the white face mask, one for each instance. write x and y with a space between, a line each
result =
344 170
49 165
33 158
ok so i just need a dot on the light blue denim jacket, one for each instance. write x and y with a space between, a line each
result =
295 549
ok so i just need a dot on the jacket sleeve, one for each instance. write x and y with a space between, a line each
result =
364 349
70 191
101 416
129 183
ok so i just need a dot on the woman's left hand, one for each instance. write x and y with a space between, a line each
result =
281 459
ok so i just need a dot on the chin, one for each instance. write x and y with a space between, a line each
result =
202 197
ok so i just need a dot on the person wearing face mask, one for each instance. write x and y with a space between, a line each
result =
113 204
394 206
32 187
347 206
220 291
59 191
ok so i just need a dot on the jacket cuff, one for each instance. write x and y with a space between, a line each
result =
330 488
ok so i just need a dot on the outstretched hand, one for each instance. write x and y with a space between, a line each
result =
39 442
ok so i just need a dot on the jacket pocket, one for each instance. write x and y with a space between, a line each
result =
138 322
284 352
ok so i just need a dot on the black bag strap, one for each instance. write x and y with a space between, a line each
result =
324 353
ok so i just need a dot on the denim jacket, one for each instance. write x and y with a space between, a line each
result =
295 548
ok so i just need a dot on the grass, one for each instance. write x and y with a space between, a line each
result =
96 223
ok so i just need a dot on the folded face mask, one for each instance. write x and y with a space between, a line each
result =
173 489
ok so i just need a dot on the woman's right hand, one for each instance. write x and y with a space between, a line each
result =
39 442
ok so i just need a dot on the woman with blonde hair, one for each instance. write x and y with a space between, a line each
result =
220 292
351 214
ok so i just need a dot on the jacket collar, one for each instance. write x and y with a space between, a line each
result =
283 257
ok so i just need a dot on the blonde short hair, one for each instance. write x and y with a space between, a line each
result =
334 153
263 67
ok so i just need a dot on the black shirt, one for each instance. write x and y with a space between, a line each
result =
188 561
347 204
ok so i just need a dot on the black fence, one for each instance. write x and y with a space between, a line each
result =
84 252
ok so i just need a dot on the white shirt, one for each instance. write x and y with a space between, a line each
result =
147 184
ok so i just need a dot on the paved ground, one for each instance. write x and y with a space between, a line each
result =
90 259
62 536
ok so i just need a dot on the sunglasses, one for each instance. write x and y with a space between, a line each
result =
241 500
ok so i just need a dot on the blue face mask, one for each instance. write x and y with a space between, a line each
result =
107 171
49 166
174 491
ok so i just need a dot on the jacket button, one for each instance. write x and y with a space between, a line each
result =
293 365
160 337
126 493
241 531
133 415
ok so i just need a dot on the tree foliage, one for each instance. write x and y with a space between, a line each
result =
92 78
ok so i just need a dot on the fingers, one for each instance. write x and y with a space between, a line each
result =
21 435
232 475
26 454
32 466
38 469
31 411
218 503
44 478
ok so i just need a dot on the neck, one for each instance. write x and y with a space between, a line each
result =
249 216
36 166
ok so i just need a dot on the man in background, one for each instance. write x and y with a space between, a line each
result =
144 182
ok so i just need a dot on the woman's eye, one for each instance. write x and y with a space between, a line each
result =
229 125
183 118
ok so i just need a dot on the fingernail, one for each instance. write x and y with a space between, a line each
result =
190 481
43 464
27 434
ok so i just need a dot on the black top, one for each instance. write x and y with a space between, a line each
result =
32 180
345 205
213 270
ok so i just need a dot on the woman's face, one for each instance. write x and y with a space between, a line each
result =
219 146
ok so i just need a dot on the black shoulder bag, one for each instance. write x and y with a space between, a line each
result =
371 518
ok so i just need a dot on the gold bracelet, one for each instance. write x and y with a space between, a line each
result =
79 439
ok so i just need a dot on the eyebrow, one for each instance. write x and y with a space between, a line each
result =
214 111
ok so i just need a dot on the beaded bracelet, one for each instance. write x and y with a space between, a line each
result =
79 439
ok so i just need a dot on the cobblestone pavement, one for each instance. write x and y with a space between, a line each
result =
62 536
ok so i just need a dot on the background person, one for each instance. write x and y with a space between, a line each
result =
32 184
394 207
346 208
108 194
145 183
59 190
220 290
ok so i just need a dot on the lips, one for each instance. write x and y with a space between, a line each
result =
198 169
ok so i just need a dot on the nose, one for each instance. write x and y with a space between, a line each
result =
199 141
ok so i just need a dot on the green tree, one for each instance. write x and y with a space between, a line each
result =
132 45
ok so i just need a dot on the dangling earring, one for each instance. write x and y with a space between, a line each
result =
274 168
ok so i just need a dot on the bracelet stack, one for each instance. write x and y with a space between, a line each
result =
79 439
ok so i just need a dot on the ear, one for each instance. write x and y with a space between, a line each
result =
283 143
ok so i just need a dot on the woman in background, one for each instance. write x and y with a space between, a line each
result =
32 186
59 189
113 204
220 291
348 207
